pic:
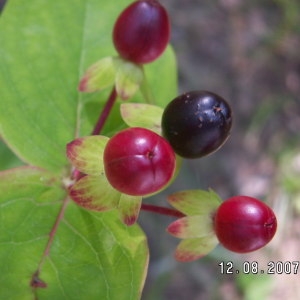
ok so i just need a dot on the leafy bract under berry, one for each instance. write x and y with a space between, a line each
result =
244 224
125 75
142 31
138 162
196 228
196 123
142 115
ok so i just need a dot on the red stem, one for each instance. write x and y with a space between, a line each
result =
100 123
162 210
105 112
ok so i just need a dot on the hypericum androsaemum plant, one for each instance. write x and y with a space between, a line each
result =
68 222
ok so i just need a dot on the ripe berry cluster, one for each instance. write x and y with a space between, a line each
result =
140 162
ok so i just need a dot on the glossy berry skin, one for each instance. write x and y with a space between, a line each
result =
244 224
138 161
196 123
142 31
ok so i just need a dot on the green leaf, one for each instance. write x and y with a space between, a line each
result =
93 256
142 115
195 202
161 76
192 226
38 93
95 193
195 248
40 108
86 154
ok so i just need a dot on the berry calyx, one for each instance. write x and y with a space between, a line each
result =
138 161
197 123
244 224
142 31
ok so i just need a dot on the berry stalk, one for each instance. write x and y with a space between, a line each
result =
162 210
105 112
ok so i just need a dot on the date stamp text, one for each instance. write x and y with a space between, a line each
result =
253 267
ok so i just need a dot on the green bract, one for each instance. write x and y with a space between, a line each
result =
196 229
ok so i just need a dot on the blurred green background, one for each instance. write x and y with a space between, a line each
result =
248 52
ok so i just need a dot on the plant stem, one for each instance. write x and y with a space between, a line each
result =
162 210
105 112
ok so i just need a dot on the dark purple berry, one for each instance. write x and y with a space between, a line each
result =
196 123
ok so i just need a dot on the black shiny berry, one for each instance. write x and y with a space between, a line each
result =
197 123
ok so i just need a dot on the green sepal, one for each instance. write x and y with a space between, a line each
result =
195 248
86 154
129 208
142 115
195 202
108 71
192 227
95 193
99 76
129 77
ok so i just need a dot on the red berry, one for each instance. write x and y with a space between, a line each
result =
244 224
138 161
142 31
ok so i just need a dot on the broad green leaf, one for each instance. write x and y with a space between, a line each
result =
95 193
86 154
192 226
195 248
142 115
195 202
93 255
46 46
39 60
